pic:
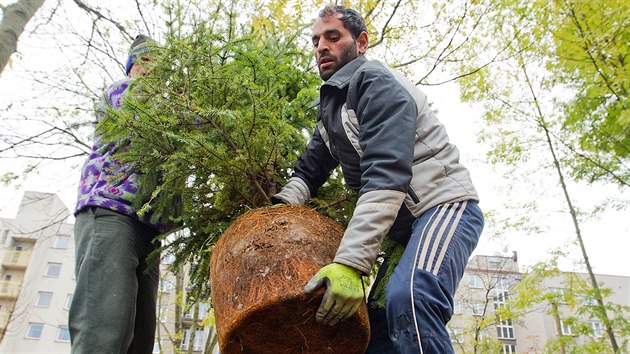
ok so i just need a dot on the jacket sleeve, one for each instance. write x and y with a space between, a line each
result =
386 114
311 171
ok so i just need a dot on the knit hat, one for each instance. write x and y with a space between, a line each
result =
141 44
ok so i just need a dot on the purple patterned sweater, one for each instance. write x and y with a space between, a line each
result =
105 181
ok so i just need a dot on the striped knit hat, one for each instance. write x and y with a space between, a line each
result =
141 44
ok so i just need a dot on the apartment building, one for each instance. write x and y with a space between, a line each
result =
37 271
171 306
487 286
37 282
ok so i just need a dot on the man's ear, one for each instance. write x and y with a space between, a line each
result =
362 42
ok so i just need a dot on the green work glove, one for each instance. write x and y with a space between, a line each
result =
344 292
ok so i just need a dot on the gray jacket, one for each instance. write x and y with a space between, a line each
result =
392 150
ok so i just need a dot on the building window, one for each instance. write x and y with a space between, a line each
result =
69 297
494 264
201 315
478 309
566 328
43 299
505 329
598 329
53 270
457 307
457 335
203 311
475 281
63 335
590 301
198 341
509 348
559 294
501 292
163 313
484 334
169 258
34 330
166 286
62 242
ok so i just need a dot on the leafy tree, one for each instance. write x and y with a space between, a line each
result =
524 94
483 298
575 306
592 48
92 37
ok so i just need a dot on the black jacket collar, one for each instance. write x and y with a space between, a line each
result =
342 77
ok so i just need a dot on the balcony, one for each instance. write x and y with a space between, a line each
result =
9 289
24 238
16 259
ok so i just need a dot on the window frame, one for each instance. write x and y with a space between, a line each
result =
59 245
39 297
198 341
473 284
505 329
456 334
598 328
457 307
62 329
68 302
508 348
30 327
477 306
47 272
566 329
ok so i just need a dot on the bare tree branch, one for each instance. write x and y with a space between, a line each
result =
385 28
99 16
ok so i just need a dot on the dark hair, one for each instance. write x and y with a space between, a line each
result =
351 19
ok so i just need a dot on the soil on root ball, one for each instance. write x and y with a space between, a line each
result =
258 270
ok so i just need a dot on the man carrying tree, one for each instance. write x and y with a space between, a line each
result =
114 303
411 188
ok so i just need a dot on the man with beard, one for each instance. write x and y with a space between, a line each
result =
412 193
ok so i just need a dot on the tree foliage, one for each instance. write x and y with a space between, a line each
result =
575 306
592 48
574 55
216 126
531 94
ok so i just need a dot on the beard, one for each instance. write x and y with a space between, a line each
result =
348 54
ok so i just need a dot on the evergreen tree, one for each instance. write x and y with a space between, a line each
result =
215 128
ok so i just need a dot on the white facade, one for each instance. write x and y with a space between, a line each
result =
486 287
37 282
37 275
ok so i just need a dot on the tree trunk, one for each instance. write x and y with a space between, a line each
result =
193 328
556 321
179 300
14 19
211 341
158 328
578 233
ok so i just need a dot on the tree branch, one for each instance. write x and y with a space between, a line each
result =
99 16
